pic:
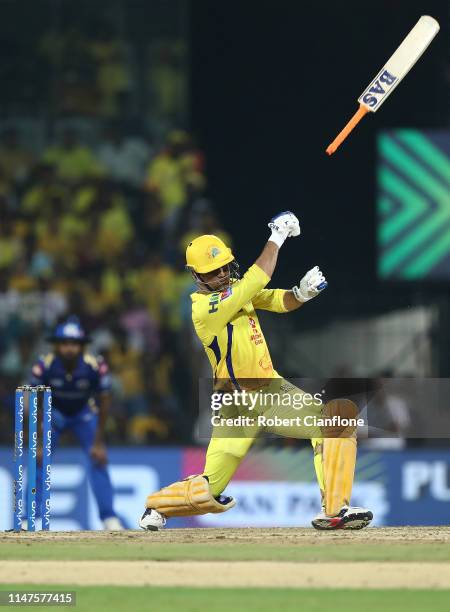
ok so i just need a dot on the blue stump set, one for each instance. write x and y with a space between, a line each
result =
32 398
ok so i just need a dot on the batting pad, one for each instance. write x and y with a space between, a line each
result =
187 498
339 457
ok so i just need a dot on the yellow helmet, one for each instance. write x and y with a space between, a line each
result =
207 253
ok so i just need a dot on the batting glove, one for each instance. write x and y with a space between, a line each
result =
311 285
284 225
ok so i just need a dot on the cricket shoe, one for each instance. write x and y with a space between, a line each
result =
348 518
24 526
152 520
112 523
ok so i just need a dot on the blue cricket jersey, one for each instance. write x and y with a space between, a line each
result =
71 391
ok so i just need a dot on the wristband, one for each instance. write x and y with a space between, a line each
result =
298 296
278 238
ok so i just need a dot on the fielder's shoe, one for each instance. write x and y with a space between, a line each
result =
24 526
348 518
152 520
112 523
12 530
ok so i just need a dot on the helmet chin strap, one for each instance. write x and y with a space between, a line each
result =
203 286
233 276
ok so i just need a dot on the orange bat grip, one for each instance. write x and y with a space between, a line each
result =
362 110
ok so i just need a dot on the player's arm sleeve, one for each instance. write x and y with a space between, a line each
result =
223 306
38 374
270 299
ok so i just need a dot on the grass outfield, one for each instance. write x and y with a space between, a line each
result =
252 570
220 551
161 599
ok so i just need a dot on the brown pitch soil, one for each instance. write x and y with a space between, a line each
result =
279 536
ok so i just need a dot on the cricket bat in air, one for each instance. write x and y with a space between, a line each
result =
396 68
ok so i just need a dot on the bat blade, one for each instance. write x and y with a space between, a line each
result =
400 63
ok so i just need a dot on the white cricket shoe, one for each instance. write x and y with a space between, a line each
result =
24 524
348 518
152 520
112 523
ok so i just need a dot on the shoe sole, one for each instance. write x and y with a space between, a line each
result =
326 524
149 528
356 521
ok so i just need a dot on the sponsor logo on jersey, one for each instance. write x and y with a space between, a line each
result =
213 301
225 294
255 335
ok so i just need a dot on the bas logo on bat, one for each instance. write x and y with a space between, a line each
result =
395 69
378 88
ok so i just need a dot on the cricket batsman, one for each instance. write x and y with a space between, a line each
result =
80 384
224 316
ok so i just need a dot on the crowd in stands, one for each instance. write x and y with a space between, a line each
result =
100 232
84 64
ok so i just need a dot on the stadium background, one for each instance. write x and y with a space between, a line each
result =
128 127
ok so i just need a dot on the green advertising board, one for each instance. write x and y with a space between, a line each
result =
413 204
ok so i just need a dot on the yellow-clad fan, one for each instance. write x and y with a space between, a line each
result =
224 316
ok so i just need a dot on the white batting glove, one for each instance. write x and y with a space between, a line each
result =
311 285
284 225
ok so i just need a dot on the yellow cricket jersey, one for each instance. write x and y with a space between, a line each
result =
227 325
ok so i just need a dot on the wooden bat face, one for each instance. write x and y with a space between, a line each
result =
400 63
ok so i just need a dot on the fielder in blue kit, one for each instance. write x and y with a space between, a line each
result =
80 385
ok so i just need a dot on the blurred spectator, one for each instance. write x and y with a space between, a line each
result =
170 386
112 67
175 175
84 246
114 228
15 160
72 160
11 247
46 195
167 79
91 224
202 220
6 192
124 158
67 54
127 365
154 285
143 333
18 356
150 226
